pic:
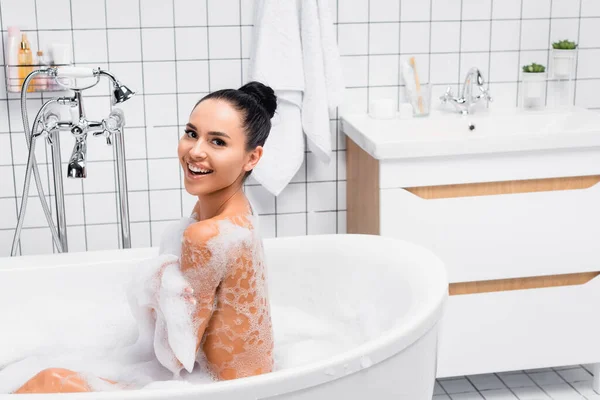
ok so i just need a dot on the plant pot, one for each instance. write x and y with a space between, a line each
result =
534 89
563 62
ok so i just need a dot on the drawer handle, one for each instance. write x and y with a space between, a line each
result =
533 282
504 187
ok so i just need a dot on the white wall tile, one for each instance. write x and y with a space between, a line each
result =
587 66
158 44
90 46
341 222
224 12
20 13
8 213
587 93
229 76
475 36
247 36
138 206
266 226
156 13
291 224
539 37
76 238
248 11
384 38
476 9
134 111
162 142
5 149
73 207
186 105
262 200
353 10
137 175
123 13
164 205
355 70
88 14
191 43
415 10
292 198
36 241
505 35
504 66
164 174
384 10
54 14
536 8
129 74
565 8
414 37
589 36
192 76
124 45
100 208
445 37
161 109
318 170
445 10
140 235
135 143
477 60
102 237
353 39
100 177
589 8
47 38
510 9
224 42
190 12
321 196
322 223
355 100
159 77
444 68
4 125
383 70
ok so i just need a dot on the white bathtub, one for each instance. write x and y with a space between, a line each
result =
323 275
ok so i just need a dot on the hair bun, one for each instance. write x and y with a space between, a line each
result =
263 94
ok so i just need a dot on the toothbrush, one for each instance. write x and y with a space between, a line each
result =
409 80
420 98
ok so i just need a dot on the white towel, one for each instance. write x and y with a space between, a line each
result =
323 76
295 52
277 61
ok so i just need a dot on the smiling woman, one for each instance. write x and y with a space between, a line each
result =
205 298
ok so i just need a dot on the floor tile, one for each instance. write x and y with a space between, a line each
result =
576 374
466 396
546 378
585 388
460 385
514 380
530 393
486 382
563 391
498 394
441 397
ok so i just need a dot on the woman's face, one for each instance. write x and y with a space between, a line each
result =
212 151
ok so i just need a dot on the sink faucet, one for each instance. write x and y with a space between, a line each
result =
467 99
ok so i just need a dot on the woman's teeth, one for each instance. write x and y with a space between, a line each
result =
198 171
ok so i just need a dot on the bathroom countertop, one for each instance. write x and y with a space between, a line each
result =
496 130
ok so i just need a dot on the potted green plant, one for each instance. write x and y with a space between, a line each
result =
534 79
564 53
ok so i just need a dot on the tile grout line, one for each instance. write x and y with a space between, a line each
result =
180 170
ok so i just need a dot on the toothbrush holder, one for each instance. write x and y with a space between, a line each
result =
421 101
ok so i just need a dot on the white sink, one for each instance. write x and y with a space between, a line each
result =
495 131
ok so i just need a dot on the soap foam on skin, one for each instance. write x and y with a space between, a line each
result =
148 360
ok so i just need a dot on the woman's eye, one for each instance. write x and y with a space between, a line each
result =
219 142
191 134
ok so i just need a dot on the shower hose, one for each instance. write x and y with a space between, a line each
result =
32 166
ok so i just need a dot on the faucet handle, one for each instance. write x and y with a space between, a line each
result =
485 94
447 96
107 134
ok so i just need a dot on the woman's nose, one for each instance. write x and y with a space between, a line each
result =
198 150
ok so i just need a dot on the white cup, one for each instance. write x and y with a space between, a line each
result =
61 53
382 109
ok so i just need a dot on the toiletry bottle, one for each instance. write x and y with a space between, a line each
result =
41 80
12 53
25 60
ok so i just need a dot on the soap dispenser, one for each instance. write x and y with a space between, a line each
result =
25 61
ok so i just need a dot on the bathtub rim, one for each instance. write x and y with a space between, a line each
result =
416 324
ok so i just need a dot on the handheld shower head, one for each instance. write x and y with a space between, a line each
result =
121 93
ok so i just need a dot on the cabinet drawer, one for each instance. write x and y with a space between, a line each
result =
485 237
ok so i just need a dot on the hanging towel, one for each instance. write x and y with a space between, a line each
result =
322 76
276 61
